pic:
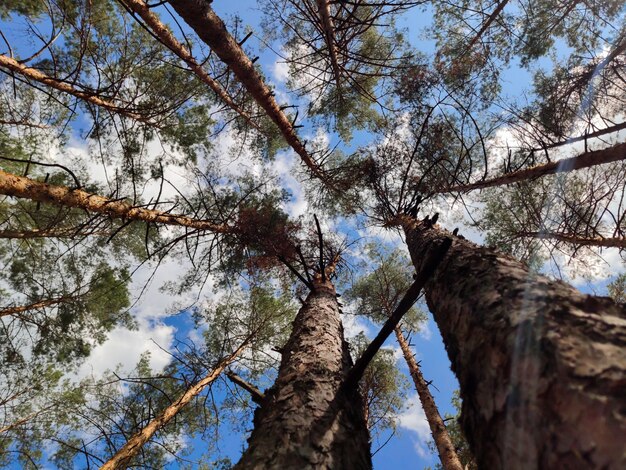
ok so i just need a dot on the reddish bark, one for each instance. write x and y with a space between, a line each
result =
445 447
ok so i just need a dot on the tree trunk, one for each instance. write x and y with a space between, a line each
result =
162 32
447 453
16 310
323 8
211 29
133 446
22 187
584 160
541 366
307 420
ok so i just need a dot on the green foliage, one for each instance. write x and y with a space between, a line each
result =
383 387
456 436
617 288
377 293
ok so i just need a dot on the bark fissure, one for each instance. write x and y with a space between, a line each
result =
542 367
307 421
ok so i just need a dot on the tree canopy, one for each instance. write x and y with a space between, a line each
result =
178 178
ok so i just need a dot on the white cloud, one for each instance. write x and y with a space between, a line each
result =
353 325
125 347
414 421
280 71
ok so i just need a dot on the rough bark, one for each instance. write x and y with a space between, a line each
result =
133 446
307 420
541 367
165 36
445 447
211 29
33 74
610 242
584 160
22 187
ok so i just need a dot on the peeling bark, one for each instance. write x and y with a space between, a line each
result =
584 160
38 76
445 447
211 29
133 446
26 188
542 367
307 420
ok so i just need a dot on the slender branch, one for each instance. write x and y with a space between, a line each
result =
584 137
584 160
619 242
133 446
434 258
487 23
257 395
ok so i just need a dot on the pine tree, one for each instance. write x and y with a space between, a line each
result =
167 96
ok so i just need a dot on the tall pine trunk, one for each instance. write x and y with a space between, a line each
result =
445 447
307 420
542 367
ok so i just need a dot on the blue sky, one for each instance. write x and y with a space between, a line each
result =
408 448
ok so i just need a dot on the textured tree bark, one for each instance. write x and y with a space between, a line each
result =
584 160
542 367
447 453
133 446
307 419
26 188
211 29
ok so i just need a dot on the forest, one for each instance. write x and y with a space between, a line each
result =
297 234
